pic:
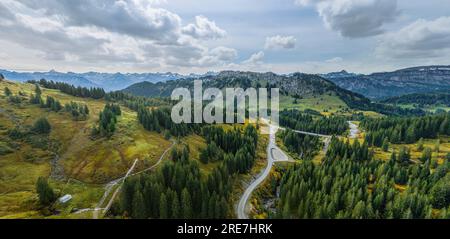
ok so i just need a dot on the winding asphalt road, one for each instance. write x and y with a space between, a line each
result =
270 160
274 154
354 130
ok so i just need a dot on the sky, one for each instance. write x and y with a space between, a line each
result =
197 36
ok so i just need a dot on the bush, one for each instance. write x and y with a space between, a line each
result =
42 126
5 149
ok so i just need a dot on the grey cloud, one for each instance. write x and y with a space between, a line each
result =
129 17
355 18
420 39
108 31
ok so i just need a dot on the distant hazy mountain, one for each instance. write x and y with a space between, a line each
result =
107 81
388 84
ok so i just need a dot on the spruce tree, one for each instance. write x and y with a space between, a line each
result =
175 208
45 192
138 206
163 210
385 146
7 92
186 204
42 126
420 144
426 155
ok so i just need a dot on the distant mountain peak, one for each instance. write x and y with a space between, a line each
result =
420 79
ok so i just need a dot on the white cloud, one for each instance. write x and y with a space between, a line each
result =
355 18
335 60
280 42
254 59
420 39
203 28
110 32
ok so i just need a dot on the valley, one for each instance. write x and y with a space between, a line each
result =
118 155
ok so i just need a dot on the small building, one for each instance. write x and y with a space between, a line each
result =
65 198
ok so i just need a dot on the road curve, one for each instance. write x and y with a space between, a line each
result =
271 147
248 192
354 130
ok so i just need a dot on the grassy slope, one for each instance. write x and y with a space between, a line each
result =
325 104
92 162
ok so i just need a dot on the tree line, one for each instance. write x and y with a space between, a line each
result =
297 120
107 121
159 120
421 99
77 110
136 102
405 130
94 93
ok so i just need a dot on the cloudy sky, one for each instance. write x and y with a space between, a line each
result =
185 36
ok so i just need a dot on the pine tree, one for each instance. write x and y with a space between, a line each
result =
403 155
37 90
420 144
163 210
126 197
138 206
437 146
42 126
186 204
45 192
385 146
175 208
7 92
426 155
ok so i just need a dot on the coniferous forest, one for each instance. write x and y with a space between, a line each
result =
294 119
177 190
350 183
407 130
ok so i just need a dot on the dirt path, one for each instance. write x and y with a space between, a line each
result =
110 186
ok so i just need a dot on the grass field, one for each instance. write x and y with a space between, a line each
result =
325 104
444 149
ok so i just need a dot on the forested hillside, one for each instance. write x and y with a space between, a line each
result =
351 183
50 134
295 88
424 99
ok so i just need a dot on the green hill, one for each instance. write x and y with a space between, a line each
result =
299 91
68 153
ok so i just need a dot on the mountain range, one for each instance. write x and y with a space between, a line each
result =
107 81
422 79
375 86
